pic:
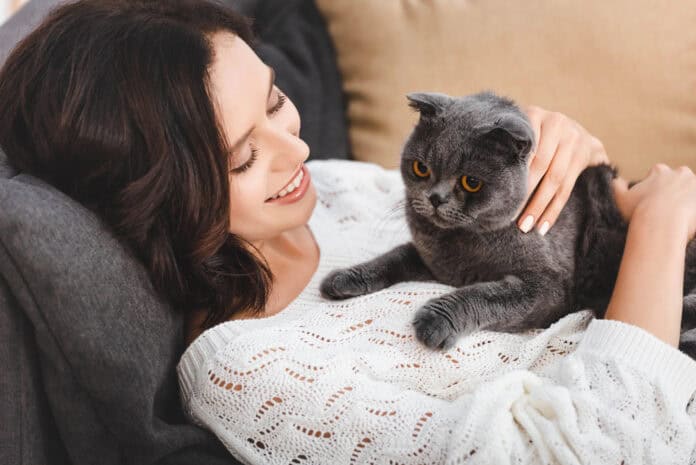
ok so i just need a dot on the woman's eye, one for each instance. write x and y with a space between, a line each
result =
279 104
420 169
471 184
247 164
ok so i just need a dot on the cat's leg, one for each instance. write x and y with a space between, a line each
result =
689 311
402 263
442 320
687 342
689 305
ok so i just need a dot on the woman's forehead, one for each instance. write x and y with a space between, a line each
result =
238 83
234 62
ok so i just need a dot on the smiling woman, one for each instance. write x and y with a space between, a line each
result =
141 138
267 153
271 193
168 126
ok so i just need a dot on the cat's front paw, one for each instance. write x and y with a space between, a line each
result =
343 284
435 326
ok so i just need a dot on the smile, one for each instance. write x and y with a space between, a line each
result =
294 189
290 186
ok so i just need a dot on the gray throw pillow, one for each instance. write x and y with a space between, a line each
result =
106 346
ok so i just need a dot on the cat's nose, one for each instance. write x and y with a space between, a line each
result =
436 199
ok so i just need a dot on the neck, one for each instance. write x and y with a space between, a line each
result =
286 245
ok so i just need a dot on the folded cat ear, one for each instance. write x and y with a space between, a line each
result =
428 103
509 132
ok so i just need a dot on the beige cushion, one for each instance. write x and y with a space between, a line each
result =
625 69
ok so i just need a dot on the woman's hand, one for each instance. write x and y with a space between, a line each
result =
665 195
564 149
661 211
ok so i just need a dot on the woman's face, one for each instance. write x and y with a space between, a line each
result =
262 126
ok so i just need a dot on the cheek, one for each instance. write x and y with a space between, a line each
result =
512 187
247 196
499 199
416 186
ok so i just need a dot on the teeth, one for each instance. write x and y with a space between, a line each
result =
290 187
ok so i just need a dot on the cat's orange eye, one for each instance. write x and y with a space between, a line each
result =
420 169
471 184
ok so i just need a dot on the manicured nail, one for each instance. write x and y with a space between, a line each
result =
544 228
527 224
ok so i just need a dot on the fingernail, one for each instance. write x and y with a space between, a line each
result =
527 224
544 228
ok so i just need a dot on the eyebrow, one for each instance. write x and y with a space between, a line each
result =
246 134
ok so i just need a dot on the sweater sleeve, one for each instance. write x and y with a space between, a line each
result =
620 396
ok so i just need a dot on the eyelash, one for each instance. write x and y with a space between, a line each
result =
248 163
254 152
279 105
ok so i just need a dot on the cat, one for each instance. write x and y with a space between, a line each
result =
465 169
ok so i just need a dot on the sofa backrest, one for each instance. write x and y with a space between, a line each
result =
624 69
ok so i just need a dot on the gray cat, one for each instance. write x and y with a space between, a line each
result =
465 171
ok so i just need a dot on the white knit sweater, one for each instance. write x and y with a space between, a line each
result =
345 382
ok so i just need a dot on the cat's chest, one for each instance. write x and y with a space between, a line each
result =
461 258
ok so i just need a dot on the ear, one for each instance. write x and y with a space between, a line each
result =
428 104
511 133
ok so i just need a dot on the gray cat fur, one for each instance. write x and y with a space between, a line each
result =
506 280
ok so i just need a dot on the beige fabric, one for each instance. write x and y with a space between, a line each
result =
625 69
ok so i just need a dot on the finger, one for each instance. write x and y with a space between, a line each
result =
535 119
553 210
620 189
551 213
598 154
685 170
620 185
547 146
657 168
628 194
551 182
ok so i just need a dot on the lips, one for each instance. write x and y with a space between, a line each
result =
298 193
292 178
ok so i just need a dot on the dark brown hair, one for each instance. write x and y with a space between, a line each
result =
108 100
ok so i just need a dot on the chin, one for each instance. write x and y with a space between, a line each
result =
293 216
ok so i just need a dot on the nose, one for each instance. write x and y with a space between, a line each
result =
287 146
436 199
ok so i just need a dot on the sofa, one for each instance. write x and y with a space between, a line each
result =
89 349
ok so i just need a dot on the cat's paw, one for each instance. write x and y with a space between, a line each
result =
343 284
434 326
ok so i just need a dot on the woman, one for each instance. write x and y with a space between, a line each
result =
194 159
